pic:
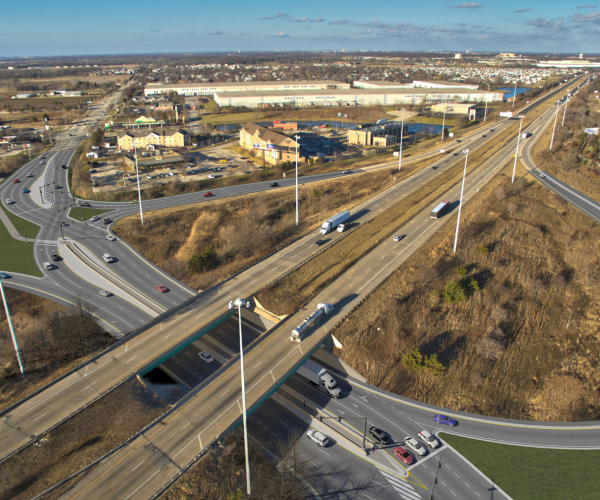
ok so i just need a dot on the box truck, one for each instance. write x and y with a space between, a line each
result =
330 224
318 377
438 211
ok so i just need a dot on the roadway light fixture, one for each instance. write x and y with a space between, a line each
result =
565 112
61 229
435 479
462 189
443 123
297 137
552 140
486 102
239 303
12 331
401 136
137 172
515 95
517 151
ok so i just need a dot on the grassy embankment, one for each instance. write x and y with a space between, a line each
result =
526 473
88 213
80 440
17 256
523 344
289 294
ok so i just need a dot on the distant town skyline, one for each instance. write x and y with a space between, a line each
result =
42 29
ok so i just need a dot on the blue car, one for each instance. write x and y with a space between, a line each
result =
4 276
443 419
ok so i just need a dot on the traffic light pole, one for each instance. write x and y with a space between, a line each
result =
339 419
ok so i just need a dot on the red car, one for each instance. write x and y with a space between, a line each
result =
207 194
16 181
404 455
162 288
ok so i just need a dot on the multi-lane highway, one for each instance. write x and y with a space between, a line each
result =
39 413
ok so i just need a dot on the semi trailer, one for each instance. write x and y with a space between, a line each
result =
316 318
318 377
330 224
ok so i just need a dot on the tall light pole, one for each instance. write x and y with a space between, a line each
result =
486 101
462 189
552 140
137 173
517 151
443 123
239 303
12 331
297 137
515 94
401 136
565 112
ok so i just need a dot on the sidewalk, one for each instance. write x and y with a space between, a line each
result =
12 230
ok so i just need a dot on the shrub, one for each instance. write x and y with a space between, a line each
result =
483 250
416 362
454 292
207 260
461 271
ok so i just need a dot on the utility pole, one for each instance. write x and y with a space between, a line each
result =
552 140
12 331
239 303
137 172
515 95
401 136
517 151
81 210
61 229
297 137
462 189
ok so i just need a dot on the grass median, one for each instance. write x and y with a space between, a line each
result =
533 473
17 256
88 213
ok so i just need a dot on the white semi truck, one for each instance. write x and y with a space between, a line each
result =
316 318
330 224
318 377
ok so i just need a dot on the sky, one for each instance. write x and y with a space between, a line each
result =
68 27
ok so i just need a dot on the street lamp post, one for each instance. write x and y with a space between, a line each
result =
462 189
486 101
435 479
554 128
61 230
565 112
401 136
137 172
517 151
515 94
12 331
443 123
239 303
297 137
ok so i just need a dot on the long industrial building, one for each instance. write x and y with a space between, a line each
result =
355 97
428 84
210 88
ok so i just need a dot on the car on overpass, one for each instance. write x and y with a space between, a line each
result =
162 288
206 356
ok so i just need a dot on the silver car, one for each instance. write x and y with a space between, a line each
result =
415 446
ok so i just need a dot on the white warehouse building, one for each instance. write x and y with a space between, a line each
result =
210 88
356 97
429 84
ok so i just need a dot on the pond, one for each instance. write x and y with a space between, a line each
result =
511 91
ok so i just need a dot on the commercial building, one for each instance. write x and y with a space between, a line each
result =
441 84
428 84
272 146
210 88
142 139
456 109
383 135
145 164
356 97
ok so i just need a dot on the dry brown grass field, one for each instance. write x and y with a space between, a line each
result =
526 345
79 441
241 230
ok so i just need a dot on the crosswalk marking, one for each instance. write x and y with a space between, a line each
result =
406 491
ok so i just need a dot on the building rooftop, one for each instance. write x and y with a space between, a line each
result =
245 84
321 92
266 134
145 133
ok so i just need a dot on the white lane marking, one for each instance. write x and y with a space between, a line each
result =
225 392
325 453
383 486
135 491
404 488
39 417
184 426
138 465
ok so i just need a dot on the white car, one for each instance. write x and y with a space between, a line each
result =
428 438
10 202
397 238
415 446
205 356
48 266
95 218
29 174
110 237
317 437
105 293
211 176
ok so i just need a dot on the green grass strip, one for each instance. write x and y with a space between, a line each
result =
534 473
17 256
88 213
